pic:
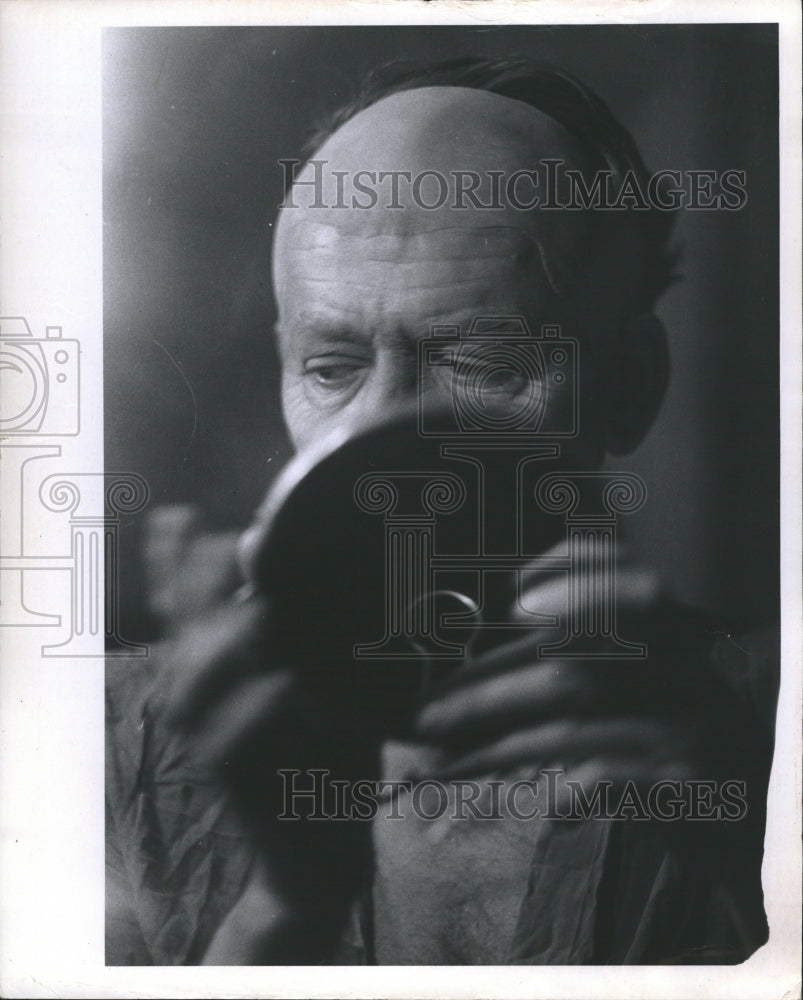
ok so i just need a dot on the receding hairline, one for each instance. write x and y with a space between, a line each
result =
439 101
554 92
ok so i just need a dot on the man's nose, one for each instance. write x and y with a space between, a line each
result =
403 384
398 387
394 385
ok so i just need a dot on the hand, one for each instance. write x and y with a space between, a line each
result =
664 717
247 717
188 569
243 714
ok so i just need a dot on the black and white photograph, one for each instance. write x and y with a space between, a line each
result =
416 494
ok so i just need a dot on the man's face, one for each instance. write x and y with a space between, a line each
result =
357 289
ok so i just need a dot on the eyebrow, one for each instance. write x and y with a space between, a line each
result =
325 333
464 318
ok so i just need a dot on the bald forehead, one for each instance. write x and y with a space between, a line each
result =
433 130
426 133
429 126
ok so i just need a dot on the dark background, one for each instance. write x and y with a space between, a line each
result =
195 120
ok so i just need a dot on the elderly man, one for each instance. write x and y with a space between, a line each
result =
434 200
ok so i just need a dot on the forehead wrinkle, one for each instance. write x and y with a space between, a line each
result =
421 286
506 243
325 235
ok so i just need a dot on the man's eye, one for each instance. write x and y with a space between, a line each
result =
491 381
332 376
506 383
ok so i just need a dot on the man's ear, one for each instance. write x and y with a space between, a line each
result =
636 383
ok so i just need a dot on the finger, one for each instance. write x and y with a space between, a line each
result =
555 561
528 692
619 771
259 706
168 532
634 591
570 742
210 572
548 596
522 650
552 562
516 681
211 656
